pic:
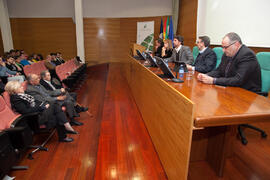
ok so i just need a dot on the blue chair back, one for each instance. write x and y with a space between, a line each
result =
219 53
264 61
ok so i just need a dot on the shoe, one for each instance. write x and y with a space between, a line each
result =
67 139
76 115
79 109
83 109
71 132
75 123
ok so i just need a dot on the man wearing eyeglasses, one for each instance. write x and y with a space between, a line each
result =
206 59
239 66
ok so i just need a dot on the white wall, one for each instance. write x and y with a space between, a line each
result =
91 8
40 8
126 8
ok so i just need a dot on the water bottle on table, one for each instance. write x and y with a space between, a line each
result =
181 71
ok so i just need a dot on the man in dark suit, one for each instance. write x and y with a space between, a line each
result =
46 82
239 66
181 53
41 94
206 59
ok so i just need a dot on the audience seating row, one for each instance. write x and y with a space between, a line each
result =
15 138
34 68
70 73
16 130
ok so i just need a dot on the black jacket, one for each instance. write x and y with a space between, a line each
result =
206 61
243 71
46 85
22 106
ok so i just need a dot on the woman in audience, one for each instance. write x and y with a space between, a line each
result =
51 114
34 57
167 49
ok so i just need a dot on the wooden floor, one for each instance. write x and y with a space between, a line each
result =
115 144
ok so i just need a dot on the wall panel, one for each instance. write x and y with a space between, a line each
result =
187 21
44 35
110 39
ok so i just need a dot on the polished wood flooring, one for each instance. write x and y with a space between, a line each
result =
114 143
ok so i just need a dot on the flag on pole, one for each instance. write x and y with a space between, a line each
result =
164 29
167 27
161 30
170 36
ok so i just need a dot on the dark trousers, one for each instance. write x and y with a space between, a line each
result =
61 132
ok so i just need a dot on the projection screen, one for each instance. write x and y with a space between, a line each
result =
248 18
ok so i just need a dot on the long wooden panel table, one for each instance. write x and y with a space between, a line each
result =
219 105
217 109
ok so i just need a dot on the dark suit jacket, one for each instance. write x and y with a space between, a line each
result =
69 95
206 61
46 85
39 96
185 55
243 71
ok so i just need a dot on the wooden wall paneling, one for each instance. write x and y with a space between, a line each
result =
187 21
110 39
168 116
101 39
45 35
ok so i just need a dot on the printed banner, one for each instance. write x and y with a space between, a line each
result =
145 34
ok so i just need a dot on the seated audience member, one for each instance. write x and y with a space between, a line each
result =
167 49
48 64
39 57
206 59
51 113
11 65
12 53
239 66
10 75
46 82
59 57
33 58
158 47
51 67
22 59
55 60
17 53
41 94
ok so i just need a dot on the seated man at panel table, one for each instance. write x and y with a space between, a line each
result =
239 66
206 59
41 94
46 82
180 52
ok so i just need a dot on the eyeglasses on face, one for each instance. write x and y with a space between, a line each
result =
225 47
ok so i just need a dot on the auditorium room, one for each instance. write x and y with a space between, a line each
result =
134 90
